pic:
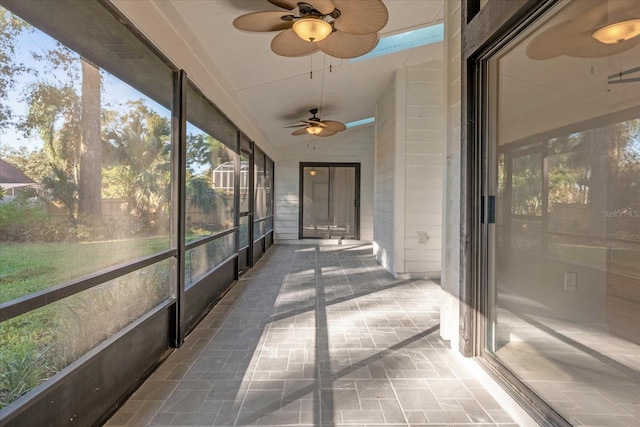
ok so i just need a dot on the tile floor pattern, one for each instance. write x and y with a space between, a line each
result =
316 336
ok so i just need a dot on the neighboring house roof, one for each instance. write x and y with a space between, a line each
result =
11 175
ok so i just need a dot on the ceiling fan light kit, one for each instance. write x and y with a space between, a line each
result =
618 32
312 29
314 129
340 28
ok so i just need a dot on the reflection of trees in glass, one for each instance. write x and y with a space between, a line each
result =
599 168
526 182
627 164
568 171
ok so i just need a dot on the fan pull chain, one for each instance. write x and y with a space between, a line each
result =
311 68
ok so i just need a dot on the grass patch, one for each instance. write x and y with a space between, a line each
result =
32 267
37 344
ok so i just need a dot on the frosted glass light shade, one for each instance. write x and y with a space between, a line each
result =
312 29
618 32
314 130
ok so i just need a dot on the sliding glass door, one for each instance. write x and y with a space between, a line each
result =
561 238
329 194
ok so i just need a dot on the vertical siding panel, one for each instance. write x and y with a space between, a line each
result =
424 135
383 218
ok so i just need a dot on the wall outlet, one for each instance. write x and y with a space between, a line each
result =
570 281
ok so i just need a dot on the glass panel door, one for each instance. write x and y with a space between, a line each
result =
563 264
342 203
329 194
315 202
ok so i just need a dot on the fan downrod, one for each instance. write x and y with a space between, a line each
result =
308 10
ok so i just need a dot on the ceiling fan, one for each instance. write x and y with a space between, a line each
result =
339 28
316 127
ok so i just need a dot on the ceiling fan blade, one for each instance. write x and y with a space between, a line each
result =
263 21
287 43
361 16
322 6
299 132
315 123
344 45
285 4
334 126
326 132
294 126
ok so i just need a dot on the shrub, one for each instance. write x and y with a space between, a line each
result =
23 221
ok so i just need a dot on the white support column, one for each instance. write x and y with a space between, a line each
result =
399 185
450 306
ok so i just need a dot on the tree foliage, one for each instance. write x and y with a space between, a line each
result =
54 113
34 164
137 163
10 28
62 188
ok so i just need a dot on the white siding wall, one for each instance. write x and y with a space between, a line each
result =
410 124
352 146
450 306
424 120
385 169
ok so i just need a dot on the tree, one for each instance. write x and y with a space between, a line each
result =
138 164
54 113
34 164
10 27
69 125
63 189
90 182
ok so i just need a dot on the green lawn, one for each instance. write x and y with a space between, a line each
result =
37 344
31 267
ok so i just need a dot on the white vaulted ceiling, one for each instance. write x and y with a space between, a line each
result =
261 91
